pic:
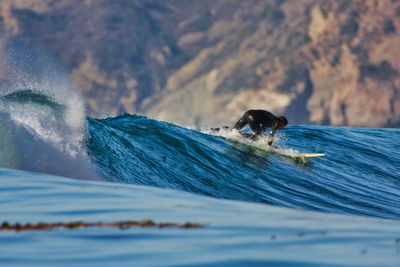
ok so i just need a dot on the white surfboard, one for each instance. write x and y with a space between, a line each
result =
309 155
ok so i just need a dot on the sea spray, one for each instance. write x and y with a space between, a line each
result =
41 107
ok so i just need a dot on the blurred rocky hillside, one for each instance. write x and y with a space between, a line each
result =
204 62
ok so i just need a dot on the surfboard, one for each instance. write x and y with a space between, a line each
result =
296 155
309 155
288 153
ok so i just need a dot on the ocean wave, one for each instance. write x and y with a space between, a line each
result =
359 174
39 134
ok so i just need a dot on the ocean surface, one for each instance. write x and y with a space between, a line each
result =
256 207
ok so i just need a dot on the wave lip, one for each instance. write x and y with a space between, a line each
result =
46 119
40 135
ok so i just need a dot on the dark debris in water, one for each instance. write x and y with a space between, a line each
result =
75 225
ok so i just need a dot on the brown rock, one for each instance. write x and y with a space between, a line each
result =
325 62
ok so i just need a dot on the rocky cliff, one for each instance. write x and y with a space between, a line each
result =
333 62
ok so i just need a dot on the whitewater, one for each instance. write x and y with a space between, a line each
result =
256 207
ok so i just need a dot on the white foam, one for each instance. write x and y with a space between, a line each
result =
56 140
261 142
66 134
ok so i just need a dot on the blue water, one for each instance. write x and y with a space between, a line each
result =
360 174
258 207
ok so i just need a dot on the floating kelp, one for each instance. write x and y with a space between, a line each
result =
75 225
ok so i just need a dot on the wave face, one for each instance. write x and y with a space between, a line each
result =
359 175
